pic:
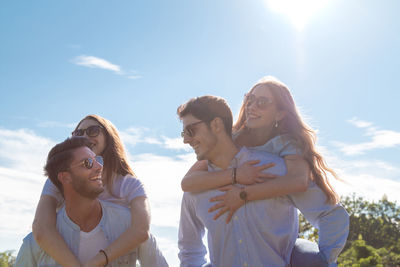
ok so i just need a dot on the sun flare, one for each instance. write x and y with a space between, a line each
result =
299 12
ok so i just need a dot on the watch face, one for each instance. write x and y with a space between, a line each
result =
243 195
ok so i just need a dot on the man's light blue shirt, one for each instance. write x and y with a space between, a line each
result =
114 222
261 233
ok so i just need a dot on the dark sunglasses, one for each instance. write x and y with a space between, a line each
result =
91 131
89 162
189 130
262 102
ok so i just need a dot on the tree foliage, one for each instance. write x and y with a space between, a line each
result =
6 259
374 236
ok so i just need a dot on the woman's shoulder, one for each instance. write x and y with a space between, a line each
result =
125 181
128 185
281 145
125 188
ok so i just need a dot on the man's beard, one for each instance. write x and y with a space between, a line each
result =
83 188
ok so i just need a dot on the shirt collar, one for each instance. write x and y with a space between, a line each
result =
234 162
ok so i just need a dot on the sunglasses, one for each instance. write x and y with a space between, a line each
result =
189 130
89 162
262 102
91 131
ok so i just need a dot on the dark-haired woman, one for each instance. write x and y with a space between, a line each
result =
122 187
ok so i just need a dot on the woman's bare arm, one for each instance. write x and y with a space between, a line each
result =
46 234
132 237
199 179
296 180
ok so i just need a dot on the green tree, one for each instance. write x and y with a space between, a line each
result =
374 236
6 259
360 255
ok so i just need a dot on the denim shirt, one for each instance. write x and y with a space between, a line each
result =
114 222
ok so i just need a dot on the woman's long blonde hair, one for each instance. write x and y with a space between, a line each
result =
115 159
293 126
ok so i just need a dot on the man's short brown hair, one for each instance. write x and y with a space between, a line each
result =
207 108
60 158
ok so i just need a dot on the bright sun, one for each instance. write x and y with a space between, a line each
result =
298 11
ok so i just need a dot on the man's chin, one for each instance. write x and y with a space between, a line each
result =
200 157
94 193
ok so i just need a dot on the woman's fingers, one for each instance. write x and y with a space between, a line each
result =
229 217
266 166
216 206
217 198
225 188
220 212
252 162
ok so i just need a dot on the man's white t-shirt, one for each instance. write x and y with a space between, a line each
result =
90 244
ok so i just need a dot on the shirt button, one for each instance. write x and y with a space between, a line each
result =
235 218
240 241
245 264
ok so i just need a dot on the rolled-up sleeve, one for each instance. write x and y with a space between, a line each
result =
191 231
332 221
27 255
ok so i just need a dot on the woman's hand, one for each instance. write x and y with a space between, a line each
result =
98 260
95 262
247 173
228 202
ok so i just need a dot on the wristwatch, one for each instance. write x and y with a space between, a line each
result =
243 194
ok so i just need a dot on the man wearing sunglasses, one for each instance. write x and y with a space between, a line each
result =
262 232
87 224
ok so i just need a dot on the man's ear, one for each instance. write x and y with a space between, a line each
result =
217 125
64 177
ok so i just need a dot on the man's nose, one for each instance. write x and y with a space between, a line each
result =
186 139
98 166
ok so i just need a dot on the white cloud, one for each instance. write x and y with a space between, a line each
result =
22 156
100 63
137 135
175 143
379 139
359 123
24 150
96 62
368 178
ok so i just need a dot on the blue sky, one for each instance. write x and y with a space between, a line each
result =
134 62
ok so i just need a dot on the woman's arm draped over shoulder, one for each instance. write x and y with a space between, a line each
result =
46 234
199 179
135 235
296 180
